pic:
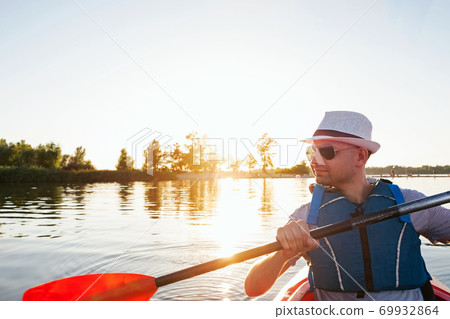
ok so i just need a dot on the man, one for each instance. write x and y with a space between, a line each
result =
378 262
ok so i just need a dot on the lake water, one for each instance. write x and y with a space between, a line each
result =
49 232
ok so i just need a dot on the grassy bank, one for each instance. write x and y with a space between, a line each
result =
12 175
44 175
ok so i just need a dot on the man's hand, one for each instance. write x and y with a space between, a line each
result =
295 239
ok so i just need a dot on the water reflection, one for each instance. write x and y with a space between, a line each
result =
77 193
28 210
267 206
125 196
152 199
29 199
197 201
193 198
202 198
251 189
28 195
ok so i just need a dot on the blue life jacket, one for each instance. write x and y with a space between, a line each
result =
382 256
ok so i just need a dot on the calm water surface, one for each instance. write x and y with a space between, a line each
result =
49 232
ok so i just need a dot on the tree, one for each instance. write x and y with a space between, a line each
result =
191 159
22 154
200 156
299 169
176 159
153 157
125 161
5 153
78 158
264 149
251 162
64 161
236 166
77 161
48 156
209 161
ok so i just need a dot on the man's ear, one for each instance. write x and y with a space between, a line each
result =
363 156
311 187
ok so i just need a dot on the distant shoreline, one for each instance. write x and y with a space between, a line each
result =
16 175
387 176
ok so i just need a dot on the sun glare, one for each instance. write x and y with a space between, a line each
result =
236 218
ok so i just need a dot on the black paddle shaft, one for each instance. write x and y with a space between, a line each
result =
372 218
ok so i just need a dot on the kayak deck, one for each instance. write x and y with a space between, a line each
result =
298 289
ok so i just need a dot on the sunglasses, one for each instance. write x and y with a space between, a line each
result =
328 152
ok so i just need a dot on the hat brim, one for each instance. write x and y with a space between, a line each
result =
372 146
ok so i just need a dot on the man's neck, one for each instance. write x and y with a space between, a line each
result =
356 191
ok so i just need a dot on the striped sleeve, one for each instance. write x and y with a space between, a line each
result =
432 223
300 213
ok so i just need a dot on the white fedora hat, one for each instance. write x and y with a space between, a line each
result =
348 127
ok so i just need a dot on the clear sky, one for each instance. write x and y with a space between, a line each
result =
69 79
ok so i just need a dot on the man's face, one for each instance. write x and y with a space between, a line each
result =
338 170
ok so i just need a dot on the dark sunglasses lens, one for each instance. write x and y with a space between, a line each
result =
327 152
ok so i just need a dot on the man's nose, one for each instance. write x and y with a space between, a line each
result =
317 159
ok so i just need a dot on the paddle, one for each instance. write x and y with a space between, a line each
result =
122 286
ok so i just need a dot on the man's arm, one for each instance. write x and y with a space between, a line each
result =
264 273
432 223
295 239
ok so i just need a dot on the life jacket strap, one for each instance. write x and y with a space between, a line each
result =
315 204
368 276
395 190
